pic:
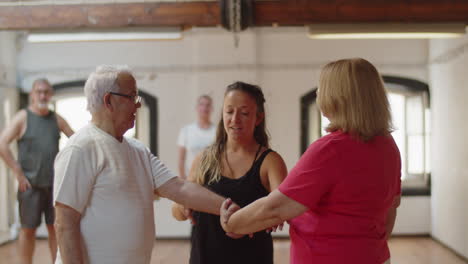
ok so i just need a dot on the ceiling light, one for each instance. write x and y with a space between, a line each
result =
139 34
385 31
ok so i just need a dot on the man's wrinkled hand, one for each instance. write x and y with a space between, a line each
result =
223 213
227 209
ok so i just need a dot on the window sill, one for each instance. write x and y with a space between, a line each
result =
416 191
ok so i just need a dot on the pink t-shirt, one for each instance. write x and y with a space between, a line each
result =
348 187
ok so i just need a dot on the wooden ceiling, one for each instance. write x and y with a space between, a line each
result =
207 14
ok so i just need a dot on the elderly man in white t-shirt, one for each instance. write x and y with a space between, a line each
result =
105 182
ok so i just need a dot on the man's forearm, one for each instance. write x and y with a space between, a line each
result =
10 161
254 217
69 242
67 226
201 199
191 195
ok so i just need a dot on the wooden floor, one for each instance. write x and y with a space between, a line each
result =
404 250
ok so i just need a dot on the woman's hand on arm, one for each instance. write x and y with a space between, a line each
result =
178 212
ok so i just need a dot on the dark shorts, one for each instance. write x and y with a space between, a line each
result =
32 203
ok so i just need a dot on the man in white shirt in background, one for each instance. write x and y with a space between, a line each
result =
195 137
105 182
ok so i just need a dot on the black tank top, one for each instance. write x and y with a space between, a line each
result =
210 245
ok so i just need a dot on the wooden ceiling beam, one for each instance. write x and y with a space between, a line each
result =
302 12
109 15
206 14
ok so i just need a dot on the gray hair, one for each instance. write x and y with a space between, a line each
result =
41 80
100 82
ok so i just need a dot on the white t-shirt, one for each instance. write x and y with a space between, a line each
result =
194 139
111 184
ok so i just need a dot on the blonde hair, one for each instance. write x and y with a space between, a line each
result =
352 95
211 164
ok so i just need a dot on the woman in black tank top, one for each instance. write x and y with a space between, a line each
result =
239 165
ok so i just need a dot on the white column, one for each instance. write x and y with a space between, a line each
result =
8 106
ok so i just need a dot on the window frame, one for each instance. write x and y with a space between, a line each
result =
150 100
406 86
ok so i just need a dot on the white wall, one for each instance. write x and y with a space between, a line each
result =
449 78
8 104
283 61
413 216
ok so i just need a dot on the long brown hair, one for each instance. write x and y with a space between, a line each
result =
351 93
211 164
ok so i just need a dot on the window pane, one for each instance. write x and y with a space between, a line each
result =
397 106
324 122
411 132
416 154
142 124
415 116
73 110
428 141
314 123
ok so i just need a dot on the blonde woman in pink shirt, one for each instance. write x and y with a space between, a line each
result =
341 197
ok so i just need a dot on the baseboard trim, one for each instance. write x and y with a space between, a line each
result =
422 235
450 249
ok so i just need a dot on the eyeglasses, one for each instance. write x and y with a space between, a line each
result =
135 98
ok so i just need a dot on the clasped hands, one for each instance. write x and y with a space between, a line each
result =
228 208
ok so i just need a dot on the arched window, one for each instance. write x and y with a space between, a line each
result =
69 101
409 101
